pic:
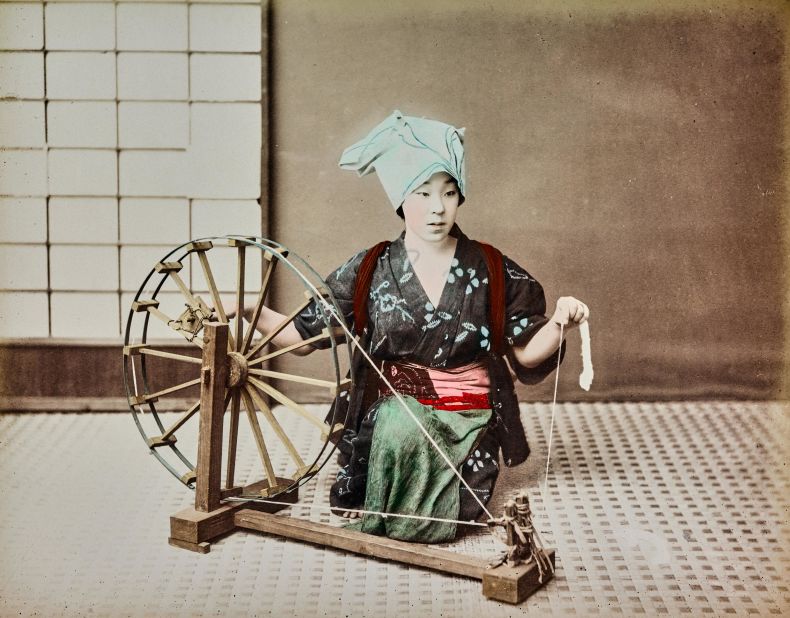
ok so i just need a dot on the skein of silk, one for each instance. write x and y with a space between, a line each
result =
586 376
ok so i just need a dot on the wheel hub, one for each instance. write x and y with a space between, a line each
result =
237 370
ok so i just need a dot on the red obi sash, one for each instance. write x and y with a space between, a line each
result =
460 388
456 403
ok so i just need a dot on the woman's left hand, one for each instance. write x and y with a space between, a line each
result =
570 312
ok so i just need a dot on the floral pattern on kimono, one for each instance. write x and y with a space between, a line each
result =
404 325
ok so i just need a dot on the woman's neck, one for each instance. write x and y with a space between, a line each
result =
431 261
417 245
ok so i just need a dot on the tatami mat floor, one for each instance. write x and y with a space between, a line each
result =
672 509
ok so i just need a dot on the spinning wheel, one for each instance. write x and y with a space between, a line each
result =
185 291
223 371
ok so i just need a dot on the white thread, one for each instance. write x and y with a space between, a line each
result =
335 510
586 376
553 407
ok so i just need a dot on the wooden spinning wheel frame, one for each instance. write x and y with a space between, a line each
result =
231 377
250 386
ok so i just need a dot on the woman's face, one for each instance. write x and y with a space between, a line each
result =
429 211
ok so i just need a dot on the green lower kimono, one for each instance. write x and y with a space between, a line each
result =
407 475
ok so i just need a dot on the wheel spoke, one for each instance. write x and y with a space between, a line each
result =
212 286
144 349
167 391
172 269
325 334
233 434
182 419
267 279
289 403
277 329
259 441
265 373
270 418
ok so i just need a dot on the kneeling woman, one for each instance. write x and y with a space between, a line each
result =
438 331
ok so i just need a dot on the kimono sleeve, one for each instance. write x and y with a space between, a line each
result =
525 314
341 282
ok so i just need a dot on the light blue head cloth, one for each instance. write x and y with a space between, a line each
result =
405 152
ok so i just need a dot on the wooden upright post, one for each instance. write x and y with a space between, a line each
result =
213 379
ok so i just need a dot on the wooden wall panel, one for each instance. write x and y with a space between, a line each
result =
47 374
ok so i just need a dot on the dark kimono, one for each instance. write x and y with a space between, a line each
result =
404 326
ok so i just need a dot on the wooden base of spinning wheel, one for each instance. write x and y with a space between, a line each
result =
195 528
501 583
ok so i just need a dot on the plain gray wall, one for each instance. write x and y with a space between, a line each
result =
630 157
